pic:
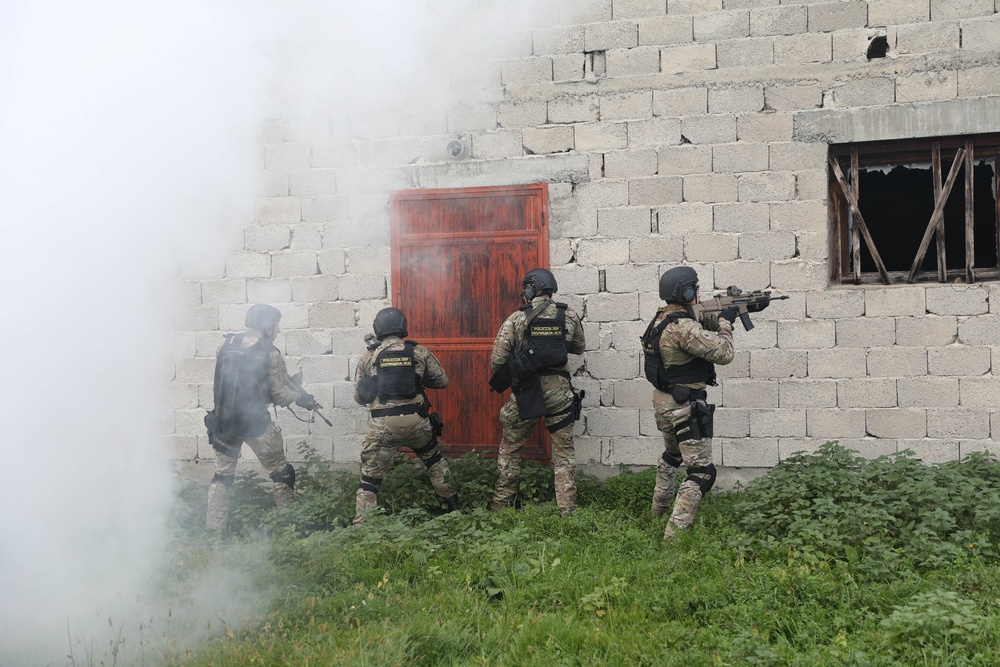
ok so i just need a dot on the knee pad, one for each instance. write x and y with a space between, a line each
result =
705 485
285 475
370 483
432 459
225 480
672 460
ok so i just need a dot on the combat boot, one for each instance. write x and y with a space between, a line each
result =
452 503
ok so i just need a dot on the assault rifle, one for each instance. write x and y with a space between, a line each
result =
744 302
296 383
371 342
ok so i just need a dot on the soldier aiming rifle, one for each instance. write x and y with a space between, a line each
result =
734 297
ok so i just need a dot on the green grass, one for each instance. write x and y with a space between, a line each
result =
754 582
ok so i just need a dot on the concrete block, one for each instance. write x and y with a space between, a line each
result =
929 331
526 71
967 447
797 274
638 61
289 263
557 39
711 247
195 371
958 423
359 286
830 16
271 237
687 58
806 334
811 185
767 186
837 363
630 221
978 81
897 361
736 99
634 451
812 247
657 248
957 300
314 288
684 160
866 332
797 156
897 423
743 217
569 67
574 279
840 304
248 265
667 30
606 193
653 133
618 422
273 184
712 129
802 49
286 157
793 97
738 393
946 10
214 292
630 163
866 393
332 314
731 423
711 188
864 92
522 114
694 6
306 237
931 452
312 183
956 360
273 291
924 392
895 301
332 261
882 13
807 393
767 245
545 140
600 136
611 35
323 209
681 219
573 224
631 106
602 252
748 452
471 118
941 85
334 154
935 37
739 367
835 423
778 423
785 20
632 393
755 52
608 365
722 25
741 273
680 101
764 127
656 190
498 145
980 393
624 336
634 9
852 45
979 330
778 364
605 307
739 157
279 211
575 109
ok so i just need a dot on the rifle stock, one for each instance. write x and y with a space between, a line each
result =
735 297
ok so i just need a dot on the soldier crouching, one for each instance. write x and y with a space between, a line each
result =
390 379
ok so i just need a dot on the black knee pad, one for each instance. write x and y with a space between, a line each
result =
226 480
705 485
370 483
432 459
673 460
285 475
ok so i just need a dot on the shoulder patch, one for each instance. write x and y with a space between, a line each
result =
707 335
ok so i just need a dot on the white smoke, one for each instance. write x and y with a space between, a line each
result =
127 149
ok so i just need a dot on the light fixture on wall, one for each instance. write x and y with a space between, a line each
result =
455 148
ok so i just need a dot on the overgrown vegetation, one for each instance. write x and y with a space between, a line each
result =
829 560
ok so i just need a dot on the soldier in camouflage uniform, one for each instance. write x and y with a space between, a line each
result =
250 373
529 354
679 358
390 380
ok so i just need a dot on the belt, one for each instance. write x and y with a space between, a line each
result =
408 409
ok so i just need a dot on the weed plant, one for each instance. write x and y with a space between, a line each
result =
828 560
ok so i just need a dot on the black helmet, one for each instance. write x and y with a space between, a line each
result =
679 285
262 317
390 322
538 280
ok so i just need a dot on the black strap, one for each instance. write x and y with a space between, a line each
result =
562 423
426 448
408 409
552 371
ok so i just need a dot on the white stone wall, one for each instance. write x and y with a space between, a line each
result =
670 131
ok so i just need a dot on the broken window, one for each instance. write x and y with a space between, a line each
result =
915 210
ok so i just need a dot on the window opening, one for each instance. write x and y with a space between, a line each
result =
910 211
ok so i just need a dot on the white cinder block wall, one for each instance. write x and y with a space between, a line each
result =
670 131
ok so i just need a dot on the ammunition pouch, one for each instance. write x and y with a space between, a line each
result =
697 425
704 485
285 475
683 394
367 389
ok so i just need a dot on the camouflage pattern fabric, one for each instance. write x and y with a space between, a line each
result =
681 342
387 434
270 449
268 446
558 396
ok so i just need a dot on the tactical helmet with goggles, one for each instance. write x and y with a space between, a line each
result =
390 322
679 285
537 281
262 317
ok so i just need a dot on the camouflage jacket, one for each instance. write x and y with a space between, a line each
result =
510 339
279 385
686 339
428 367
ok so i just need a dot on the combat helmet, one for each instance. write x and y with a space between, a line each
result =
390 322
679 285
262 317
538 280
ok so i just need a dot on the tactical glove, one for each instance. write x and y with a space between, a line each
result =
306 401
730 314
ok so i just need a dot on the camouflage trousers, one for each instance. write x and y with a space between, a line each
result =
384 438
690 453
558 396
269 447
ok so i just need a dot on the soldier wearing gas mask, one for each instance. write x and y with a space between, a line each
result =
390 379
530 357
680 354
250 374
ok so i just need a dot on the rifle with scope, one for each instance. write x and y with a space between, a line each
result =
744 302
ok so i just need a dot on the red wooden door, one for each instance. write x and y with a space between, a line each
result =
458 257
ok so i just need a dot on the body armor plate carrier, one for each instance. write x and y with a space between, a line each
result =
241 392
397 375
664 377
546 338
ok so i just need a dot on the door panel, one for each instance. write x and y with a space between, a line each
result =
458 256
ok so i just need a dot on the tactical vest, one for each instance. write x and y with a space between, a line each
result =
396 371
663 377
546 338
241 389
